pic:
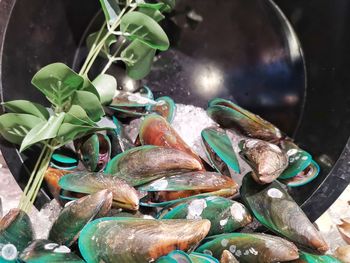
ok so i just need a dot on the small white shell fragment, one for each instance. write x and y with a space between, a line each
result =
274 193
195 209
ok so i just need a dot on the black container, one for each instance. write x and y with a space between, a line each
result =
240 50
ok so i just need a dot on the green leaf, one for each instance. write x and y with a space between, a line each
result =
111 39
169 5
90 103
43 131
58 82
88 86
143 58
15 126
111 10
152 13
106 86
77 115
25 106
156 6
69 132
145 29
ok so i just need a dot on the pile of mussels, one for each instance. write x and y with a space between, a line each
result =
156 200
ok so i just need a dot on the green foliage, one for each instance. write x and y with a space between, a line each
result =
142 56
110 9
106 86
28 107
15 126
106 49
140 26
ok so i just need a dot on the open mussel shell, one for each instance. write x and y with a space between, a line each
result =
310 258
276 210
16 229
224 215
165 107
64 159
75 215
124 195
143 164
94 151
120 142
155 130
249 248
219 150
298 160
228 257
304 177
343 254
41 250
127 104
344 229
138 240
230 115
52 176
266 159
181 187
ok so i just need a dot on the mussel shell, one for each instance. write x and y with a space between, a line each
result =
52 176
275 209
176 256
228 257
16 229
155 130
224 215
94 151
165 107
177 188
202 258
310 258
230 115
124 195
343 254
138 240
65 230
298 160
143 164
64 159
266 159
247 248
219 150
41 250
304 177
120 142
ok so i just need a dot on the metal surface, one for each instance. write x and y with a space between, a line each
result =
240 50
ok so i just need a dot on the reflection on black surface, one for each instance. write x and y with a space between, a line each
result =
240 50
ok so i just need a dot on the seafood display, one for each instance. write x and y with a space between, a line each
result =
157 199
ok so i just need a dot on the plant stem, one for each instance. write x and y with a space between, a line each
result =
95 51
36 178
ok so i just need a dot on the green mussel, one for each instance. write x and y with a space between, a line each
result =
248 248
224 215
40 251
219 150
276 210
303 177
94 151
143 164
155 130
266 159
75 215
124 195
16 229
310 258
298 160
165 107
229 115
138 240
181 187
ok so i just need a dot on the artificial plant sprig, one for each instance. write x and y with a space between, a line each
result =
76 102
